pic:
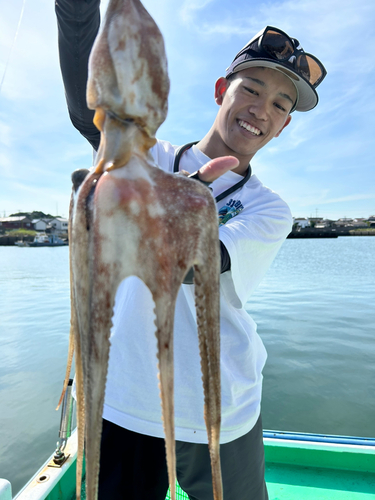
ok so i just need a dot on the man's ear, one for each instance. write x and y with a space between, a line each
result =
221 86
287 121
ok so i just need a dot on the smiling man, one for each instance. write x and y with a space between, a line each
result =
267 80
255 105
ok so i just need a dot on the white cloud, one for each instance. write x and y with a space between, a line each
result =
351 197
191 9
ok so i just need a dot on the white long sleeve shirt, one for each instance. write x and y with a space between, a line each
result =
254 223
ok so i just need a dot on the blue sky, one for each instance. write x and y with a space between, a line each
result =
322 164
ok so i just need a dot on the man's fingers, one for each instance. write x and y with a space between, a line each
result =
217 167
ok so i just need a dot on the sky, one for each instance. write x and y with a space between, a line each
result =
322 164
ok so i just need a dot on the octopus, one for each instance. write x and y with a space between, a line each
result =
123 223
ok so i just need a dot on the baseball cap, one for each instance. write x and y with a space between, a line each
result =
273 48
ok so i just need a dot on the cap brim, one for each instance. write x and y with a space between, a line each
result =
307 96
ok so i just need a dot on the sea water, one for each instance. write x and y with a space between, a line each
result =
315 314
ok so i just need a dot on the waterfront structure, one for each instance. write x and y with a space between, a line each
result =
16 222
324 223
40 224
59 224
301 222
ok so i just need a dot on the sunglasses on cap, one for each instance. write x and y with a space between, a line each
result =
275 44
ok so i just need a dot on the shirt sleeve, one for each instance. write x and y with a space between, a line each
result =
78 24
253 239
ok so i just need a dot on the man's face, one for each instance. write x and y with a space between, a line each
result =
254 108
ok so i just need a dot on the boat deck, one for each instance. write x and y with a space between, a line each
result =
303 483
294 482
316 470
305 467
298 467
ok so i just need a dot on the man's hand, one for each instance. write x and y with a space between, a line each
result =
217 167
213 169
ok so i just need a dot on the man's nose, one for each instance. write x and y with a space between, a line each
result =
259 109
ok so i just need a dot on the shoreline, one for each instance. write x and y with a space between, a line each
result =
9 241
329 233
302 233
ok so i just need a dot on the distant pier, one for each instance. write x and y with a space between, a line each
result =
311 232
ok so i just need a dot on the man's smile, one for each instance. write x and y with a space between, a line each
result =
249 128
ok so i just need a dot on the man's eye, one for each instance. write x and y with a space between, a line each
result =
279 106
251 91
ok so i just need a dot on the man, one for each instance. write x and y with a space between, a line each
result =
267 80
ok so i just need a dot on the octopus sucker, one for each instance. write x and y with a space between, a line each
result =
113 236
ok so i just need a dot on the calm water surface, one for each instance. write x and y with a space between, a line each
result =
315 313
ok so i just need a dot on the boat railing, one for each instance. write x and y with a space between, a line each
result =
320 438
66 422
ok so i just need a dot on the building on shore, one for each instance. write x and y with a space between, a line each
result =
16 222
56 225
59 225
40 224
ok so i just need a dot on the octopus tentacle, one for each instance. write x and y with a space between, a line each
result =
80 418
164 310
81 218
207 302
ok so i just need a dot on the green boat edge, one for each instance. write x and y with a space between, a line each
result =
298 466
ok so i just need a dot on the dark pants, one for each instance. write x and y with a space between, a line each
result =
133 467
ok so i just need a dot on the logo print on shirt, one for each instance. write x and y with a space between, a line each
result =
230 210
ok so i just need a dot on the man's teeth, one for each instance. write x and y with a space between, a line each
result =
248 127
